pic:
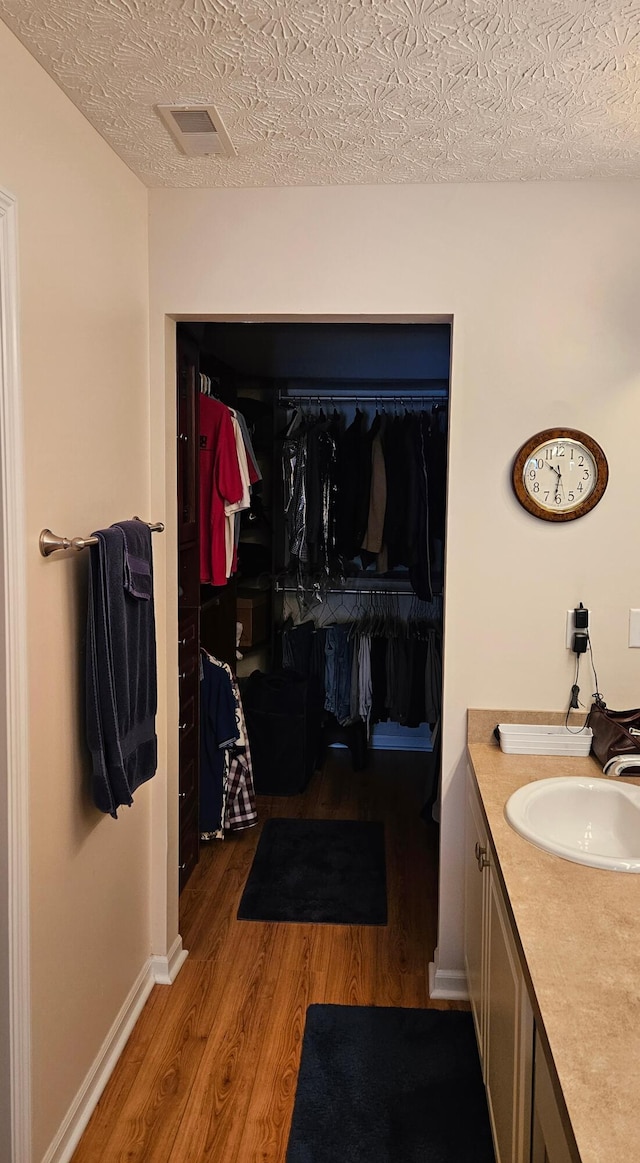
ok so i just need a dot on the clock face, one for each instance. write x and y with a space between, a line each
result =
560 474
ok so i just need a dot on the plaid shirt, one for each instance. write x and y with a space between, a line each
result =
239 794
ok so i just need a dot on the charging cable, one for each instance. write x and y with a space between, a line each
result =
581 643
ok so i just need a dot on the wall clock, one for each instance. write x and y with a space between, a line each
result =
560 474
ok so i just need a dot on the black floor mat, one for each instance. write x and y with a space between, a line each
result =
381 1085
327 871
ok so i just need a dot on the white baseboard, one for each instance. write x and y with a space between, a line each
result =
155 971
166 969
447 984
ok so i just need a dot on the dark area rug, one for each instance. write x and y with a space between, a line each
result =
380 1085
327 871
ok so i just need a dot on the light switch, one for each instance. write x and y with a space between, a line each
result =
634 627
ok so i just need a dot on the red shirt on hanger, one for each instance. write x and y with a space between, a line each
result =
220 483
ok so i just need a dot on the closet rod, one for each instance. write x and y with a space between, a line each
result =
364 383
362 590
49 543
361 398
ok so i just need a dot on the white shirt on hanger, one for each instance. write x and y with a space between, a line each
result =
245 502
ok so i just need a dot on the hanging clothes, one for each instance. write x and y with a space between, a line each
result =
376 668
227 794
233 510
255 474
218 734
338 656
373 539
294 465
220 485
228 474
398 457
437 458
353 487
320 476
420 563
365 499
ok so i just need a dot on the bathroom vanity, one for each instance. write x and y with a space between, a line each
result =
552 952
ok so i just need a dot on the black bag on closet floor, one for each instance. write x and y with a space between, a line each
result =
283 712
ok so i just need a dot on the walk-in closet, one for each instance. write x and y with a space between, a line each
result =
333 563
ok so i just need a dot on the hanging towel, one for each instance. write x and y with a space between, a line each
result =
121 681
137 558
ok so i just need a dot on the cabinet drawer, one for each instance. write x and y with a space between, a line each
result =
189 847
189 685
189 575
188 777
188 718
188 640
189 671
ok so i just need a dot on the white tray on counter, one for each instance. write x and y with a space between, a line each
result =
534 739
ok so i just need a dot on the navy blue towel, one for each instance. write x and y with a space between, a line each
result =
137 558
121 679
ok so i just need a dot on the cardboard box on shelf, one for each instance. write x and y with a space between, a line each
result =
252 612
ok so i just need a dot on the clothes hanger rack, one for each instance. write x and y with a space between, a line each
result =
285 399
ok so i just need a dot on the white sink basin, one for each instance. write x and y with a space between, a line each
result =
590 821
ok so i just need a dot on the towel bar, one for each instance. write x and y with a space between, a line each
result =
49 543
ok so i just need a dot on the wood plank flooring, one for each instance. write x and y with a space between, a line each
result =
210 1070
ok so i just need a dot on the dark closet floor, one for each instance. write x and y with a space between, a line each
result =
210 1070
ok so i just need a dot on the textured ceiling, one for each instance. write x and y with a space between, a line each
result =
323 92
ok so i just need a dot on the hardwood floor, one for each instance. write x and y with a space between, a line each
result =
210 1070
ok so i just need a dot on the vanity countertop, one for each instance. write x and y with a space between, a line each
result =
579 932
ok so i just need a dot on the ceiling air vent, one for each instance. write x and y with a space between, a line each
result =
197 129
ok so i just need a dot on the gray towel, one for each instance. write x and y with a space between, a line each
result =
137 558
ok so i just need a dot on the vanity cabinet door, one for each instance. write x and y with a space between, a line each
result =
549 1142
508 1036
499 1000
475 911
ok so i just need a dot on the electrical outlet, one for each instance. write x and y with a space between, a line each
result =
571 628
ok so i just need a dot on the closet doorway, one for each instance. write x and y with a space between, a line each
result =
343 524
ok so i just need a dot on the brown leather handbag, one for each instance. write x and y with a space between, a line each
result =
616 737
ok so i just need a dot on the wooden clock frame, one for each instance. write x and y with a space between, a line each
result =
558 434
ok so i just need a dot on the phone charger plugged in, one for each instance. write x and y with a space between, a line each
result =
571 628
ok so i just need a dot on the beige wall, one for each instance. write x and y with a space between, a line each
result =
84 349
543 282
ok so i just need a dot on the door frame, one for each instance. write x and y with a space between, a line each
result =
14 739
164 861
